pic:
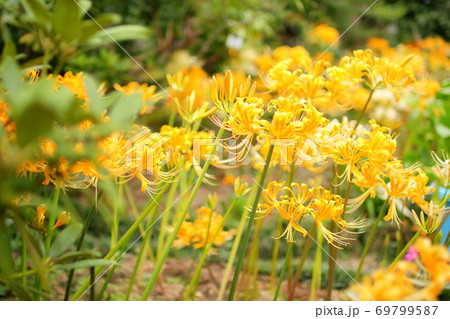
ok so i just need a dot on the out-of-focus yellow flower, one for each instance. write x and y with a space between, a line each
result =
442 168
390 285
240 189
324 33
188 90
75 84
88 170
378 44
64 218
191 111
421 280
38 221
436 260
298 57
33 74
228 179
22 199
202 230
112 154
48 147
4 110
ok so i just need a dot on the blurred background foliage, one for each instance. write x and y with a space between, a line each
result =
164 36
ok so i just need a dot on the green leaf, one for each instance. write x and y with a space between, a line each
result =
37 11
11 75
89 28
77 255
125 110
119 33
64 240
85 6
442 130
9 48
66 19
19 290
28 129
85 264
95 102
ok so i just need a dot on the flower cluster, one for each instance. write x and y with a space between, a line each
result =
38 222
299 202
202 230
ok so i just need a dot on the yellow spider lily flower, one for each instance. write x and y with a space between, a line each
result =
202 230
442 168
224 90
434 218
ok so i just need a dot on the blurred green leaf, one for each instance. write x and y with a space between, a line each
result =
64 240
89 27
37 11
66 19
126 109
18 289
119 33
85 264
76 255
11 74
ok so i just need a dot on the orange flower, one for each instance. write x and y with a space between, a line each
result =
64 218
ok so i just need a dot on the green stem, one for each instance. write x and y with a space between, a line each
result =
386 250
246 238
236 242
276 248
371 238
447 240
147 235
52 218
289 266
117 206
171 238
251 265
165 220
124 239
331 264
405 249
317 271
333 253
364 109
80 242
92 290
173 112
192 289
283 270
302 262
24 261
